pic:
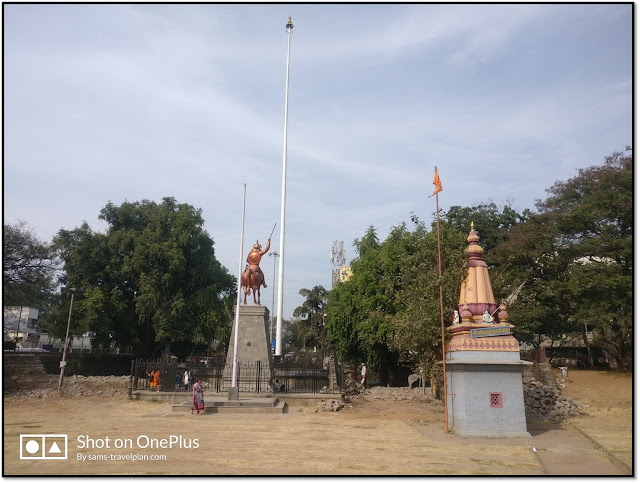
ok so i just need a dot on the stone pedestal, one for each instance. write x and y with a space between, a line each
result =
484 384
253 344
233 394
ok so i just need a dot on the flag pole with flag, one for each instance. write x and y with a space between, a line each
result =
438 185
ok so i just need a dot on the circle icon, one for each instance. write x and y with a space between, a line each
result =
32 446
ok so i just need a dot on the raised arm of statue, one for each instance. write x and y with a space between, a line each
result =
266 248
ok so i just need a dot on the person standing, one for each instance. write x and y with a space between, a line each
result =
178 380
185 380
363 373
156 380
198 397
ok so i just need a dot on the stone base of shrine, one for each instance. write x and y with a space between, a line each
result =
485 394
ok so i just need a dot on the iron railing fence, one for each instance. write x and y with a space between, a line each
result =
253 377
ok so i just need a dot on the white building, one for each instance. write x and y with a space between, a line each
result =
20 324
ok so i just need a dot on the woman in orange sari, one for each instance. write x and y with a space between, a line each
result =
156 379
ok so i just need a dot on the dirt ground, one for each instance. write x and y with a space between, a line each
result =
385 431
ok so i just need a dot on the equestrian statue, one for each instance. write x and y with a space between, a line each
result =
252 277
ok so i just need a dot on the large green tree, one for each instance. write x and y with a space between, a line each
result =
28 267
575 256
594 215
357 328
491 223
390 308
152 279
418 319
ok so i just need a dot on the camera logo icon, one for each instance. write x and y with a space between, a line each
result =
43 446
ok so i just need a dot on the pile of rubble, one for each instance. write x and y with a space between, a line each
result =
400 393
330 405
107 386
352 390
546 402
541 401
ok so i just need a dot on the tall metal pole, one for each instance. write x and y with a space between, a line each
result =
63 363
275 255
289 27
236 328
444 363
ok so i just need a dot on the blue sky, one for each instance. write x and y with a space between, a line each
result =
130 102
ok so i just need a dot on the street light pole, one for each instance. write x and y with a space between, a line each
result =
289 27
63 363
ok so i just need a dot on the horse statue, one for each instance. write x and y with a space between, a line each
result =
251 281
252 277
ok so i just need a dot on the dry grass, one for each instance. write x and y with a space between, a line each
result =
375 437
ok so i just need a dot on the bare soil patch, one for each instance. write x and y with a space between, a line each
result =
384 431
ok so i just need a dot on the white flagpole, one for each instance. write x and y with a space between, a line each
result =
282 207
235 337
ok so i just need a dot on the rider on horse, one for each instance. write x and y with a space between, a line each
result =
254 257
253 277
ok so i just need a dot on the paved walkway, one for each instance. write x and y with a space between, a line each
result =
616 443
568 451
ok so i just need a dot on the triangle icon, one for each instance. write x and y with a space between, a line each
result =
54 448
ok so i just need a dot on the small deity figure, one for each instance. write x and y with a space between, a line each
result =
456 317
252 277
486 317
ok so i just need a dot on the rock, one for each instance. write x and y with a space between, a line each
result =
546 402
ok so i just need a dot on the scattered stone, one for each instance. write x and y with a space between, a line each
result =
105 386
546 402
331 405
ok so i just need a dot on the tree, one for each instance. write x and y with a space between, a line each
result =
390 308
311 317
28 267
417 322
151 280
491 224
594 215
576 257
544 305
357 328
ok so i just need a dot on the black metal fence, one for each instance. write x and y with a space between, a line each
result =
216 376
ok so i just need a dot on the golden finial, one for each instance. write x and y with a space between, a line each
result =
289 19
472 226
289 25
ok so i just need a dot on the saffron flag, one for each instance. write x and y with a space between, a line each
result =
437 183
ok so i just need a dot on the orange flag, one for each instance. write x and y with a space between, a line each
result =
437 183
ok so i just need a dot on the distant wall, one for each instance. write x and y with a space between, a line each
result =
88 364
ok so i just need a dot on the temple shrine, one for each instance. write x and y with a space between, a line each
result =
484 370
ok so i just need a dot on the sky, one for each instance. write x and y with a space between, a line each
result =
126 102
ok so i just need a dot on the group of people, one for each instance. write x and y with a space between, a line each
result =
182 380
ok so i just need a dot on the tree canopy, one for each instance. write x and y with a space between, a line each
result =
576 257
28 267
310 315
390 308
491 224
152 279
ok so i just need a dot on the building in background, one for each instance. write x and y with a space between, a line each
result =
20 325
